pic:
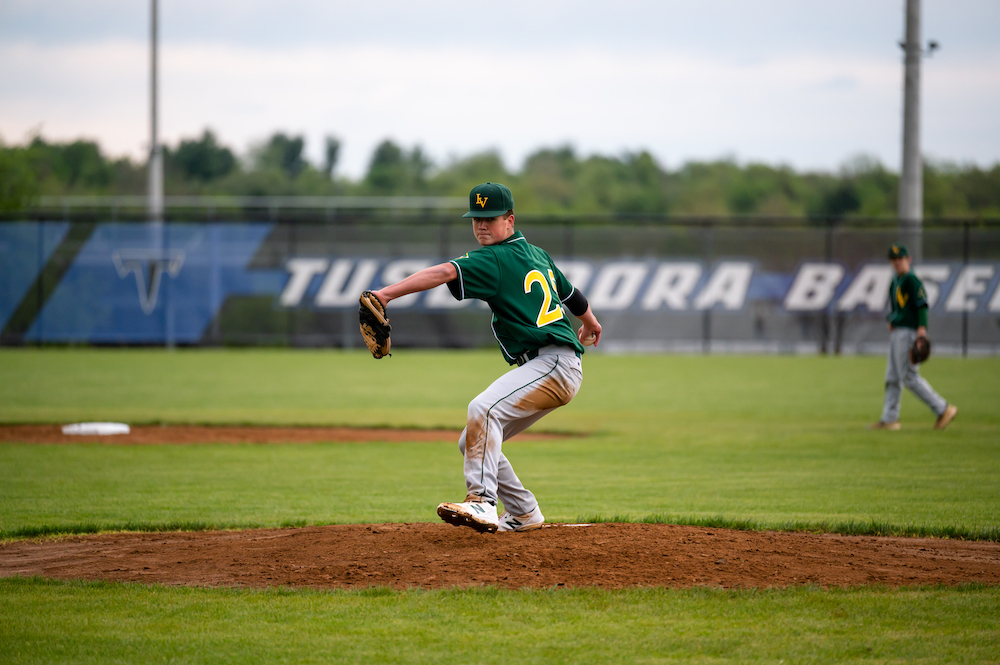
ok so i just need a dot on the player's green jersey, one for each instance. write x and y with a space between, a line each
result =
908 300
525 290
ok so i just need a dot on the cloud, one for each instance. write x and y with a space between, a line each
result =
811 110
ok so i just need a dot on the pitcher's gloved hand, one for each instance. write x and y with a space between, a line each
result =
375 326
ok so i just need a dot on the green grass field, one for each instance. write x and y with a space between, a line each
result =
764 442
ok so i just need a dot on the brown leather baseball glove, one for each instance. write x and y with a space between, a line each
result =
375 326
920 351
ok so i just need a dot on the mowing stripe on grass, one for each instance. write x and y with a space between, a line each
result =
83 622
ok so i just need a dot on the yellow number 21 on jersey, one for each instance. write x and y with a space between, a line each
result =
545 315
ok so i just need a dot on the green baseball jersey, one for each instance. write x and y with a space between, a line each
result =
524 289
908 300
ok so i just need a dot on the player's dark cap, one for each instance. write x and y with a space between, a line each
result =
898 251
490 199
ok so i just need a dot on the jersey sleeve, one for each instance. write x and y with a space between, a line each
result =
562 285
892 301
478 275
919 293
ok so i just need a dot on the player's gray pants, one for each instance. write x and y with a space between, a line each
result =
509 406
899 372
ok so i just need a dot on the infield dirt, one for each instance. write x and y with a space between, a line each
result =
200 434
435 555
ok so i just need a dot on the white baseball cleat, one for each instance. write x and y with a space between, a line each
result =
480 515
511 522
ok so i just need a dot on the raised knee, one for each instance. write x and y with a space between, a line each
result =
477 411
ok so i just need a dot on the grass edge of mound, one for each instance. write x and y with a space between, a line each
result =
847 528
489 590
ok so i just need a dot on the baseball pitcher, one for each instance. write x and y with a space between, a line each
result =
529 298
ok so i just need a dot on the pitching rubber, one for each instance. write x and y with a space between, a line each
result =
449 513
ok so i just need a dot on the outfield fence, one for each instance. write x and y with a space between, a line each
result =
233 273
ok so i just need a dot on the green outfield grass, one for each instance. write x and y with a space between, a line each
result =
97 622
765 442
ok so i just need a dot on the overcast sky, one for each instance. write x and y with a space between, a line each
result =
798 82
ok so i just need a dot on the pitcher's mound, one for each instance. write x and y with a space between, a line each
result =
433 555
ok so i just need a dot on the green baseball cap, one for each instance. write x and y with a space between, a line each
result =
898 252
490 199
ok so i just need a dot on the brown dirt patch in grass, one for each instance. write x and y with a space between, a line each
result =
198 434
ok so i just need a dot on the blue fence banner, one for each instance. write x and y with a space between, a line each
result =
233 282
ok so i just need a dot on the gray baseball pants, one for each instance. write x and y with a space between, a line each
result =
509 406
899 372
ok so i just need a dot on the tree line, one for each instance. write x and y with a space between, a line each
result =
554 180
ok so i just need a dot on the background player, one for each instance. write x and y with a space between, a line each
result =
907 321
528 296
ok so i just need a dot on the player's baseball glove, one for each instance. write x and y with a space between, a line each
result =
375 326
920 351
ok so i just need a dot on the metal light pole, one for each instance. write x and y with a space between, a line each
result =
159 240
155 189
911 182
